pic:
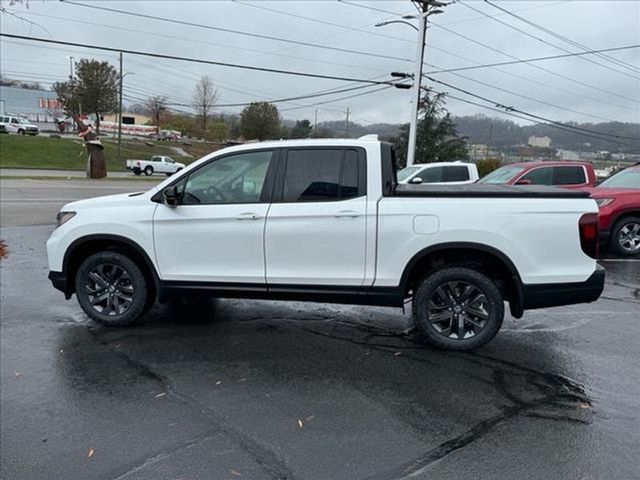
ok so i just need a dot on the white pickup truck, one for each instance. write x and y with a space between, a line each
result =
326 221
440 173
157 164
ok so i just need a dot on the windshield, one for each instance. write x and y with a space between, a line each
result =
407 172
23 121
501 175
629 178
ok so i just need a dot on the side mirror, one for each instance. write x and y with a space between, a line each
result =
524 181
170 196
416 180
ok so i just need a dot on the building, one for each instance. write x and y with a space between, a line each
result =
39 106
478 151
539 142
128 118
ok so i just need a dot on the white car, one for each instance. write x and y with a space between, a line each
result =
440 173
157 164
325 221
19 125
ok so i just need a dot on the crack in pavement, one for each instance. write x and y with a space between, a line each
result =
555 389
267 460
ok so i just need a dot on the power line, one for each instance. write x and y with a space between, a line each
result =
537 117
236 32
323 22
542 102
519 30
511 114
201 42
199 60
629 66
516 60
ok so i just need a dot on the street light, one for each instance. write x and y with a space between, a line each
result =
430 9
122 75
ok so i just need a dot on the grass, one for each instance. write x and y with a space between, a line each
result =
70 154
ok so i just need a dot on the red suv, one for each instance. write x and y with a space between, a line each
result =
619 218
565 174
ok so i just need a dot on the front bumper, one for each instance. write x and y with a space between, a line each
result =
557 294
59 281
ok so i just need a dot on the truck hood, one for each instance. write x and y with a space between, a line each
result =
105 201
600 192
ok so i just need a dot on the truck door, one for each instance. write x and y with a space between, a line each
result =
216 233
316 225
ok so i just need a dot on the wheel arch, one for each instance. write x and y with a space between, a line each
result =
470 254
627 212
90 244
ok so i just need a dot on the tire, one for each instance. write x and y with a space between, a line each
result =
459 298
136 171
120 283
148 171
20 132
625 236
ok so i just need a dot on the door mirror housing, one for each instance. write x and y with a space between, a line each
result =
524 181
170 196
416 180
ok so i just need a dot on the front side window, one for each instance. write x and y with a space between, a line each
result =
407 172
539 176
501 175
431 175
319 175
232 179
569 176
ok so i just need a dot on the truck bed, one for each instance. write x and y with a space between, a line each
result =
486 190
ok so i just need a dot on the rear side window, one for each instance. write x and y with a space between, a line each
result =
320 175
455 174
571 175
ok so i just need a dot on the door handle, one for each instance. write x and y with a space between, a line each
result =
346 214
247 216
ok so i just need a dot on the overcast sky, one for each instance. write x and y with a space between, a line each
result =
603 92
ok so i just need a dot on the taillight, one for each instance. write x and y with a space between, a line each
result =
588 226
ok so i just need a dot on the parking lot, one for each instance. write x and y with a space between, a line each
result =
253 390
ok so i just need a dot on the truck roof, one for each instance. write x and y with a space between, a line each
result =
306 142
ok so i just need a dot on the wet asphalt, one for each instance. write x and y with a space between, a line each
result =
272 390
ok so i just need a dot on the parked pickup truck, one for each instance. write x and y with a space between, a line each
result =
326 221
565 174
439 173
157 164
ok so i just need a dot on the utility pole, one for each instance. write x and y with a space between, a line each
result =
120 112
346 124
415 93
315 125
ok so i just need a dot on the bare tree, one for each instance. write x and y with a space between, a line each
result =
156 106
204 99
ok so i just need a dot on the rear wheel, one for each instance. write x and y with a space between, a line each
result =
625 236
136 171
148 170
458 308
111 289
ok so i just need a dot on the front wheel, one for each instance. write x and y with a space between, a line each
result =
111 289
458 308
625 236
20 132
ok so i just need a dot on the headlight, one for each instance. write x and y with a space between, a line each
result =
603 202
64 217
